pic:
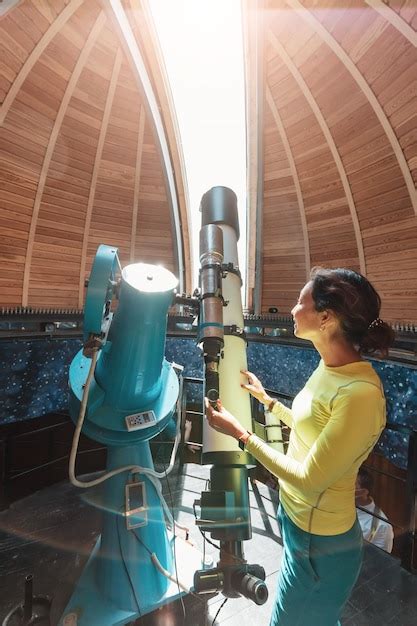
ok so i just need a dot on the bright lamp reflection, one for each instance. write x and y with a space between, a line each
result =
149 278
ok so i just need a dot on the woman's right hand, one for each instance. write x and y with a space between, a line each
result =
255 388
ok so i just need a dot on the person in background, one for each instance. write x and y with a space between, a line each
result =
374 530
335 421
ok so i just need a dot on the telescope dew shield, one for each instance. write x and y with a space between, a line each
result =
219 206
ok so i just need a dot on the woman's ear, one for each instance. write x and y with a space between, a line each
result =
329 316
325 317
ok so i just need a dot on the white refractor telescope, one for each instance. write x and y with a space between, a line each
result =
225 511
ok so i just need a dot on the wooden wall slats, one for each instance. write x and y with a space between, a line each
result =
402 19
54 82
27 60
119 186
30 10
312 189
360 74
407 9
138 169
283 239
112 84
343 37
360 71
79 189
10 45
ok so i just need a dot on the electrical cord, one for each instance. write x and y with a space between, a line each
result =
175 547
159 565
220 608
132 586
76 438
162 569
151 474
204 534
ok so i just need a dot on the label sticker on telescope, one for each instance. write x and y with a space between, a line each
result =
140 420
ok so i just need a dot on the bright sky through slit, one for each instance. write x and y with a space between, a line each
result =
203 50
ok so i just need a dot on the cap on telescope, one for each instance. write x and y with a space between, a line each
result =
219 206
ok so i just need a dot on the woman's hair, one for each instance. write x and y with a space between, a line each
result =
356 304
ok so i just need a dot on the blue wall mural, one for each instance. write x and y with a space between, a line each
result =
34 374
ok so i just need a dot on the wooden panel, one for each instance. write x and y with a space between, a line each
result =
34 28
113 78
114 192
377 182
78 189
283 239
402 16
77 166
359 70
323 192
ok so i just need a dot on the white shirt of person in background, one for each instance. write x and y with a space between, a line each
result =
374 530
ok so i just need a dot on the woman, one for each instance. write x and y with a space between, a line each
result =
335 422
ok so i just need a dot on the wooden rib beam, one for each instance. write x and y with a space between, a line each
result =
94 33
394 19
279 49
141 132
97 162
294 174
34 56
367 91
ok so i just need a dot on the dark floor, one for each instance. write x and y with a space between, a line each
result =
51 533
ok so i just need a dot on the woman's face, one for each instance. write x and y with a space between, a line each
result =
307 320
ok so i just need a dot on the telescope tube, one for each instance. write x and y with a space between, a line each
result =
225 511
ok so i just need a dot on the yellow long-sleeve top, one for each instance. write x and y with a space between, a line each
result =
335 422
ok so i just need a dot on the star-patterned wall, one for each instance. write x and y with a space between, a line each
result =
34 380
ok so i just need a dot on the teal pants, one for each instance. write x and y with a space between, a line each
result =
317 575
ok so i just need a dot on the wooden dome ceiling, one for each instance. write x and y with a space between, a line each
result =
89 149
333 159
86 157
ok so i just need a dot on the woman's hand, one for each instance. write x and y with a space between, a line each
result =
255 387
221 420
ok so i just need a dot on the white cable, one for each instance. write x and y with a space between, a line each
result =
166 573
151 474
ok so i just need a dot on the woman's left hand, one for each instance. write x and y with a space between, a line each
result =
221 420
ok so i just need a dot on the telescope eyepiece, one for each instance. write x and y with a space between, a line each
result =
254 589
251 586
213 396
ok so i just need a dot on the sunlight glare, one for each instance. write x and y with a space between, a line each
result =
203 51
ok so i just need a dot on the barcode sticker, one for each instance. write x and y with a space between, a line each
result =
140 420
